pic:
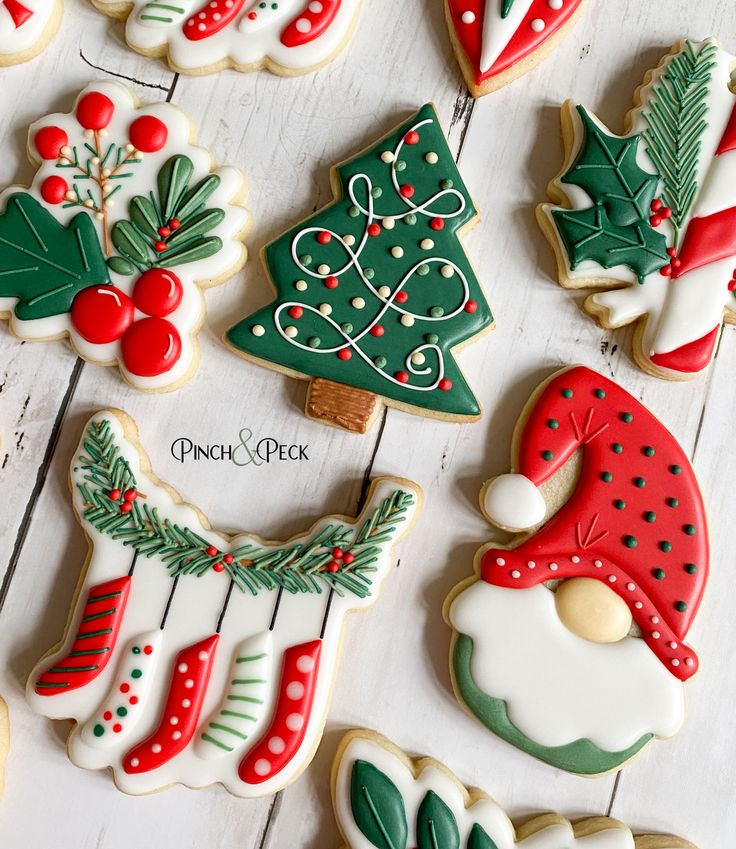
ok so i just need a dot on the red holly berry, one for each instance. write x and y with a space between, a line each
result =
377 330
228 558
732 286
218 567
148 134
296 312
160 247
130 495
124 687
158 292
407 190
133 700
324 238
445 385
114 495
471 306
333 567
150 347
345 354
101 314
54 189
337 553
676 263
666 271
656 205
666 212
212 551
348 558
94 111
126 507
107 715
332 282
655 220
175 224
164 232
374 229
437 224
147 649
672 251
117 728
401 297
49 142
412 137
402 376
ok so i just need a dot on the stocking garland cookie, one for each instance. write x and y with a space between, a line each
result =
384 799
288 37
26 27
125 222
650 216
192 657
375 290
497 41
588 611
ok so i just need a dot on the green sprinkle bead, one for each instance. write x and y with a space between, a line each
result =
136 650
305 259
650 516
627 418
376 192
673 502
423 270
665 546
122 711
314 341
446 184
347 327
600 393
630 541
676 470
617 448
369 272
353 211
691 568
136 673
606 477
689 530
380 361
648 451
640 483
680 606
567 393
659 574
547 455
552 424
98 731
411 219
401 165
619 504
432 338
437 312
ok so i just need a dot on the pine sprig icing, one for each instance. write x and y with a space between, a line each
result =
339 557
676 113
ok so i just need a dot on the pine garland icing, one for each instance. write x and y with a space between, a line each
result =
338 557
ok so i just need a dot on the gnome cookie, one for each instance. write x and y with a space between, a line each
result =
587 612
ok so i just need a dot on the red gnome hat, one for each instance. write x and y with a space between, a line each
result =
636 519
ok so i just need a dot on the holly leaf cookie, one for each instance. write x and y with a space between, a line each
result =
196 657
375 291
26 27
125 223
587 611
384 799
497 41
649 217
287 37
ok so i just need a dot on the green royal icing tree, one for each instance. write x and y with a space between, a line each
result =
375 290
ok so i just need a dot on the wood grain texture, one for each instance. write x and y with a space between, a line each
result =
285 134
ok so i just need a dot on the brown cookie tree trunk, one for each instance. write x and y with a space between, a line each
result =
342 406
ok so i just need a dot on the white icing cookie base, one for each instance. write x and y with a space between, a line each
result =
17 41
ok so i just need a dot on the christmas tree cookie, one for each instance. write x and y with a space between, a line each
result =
288 37
384 799
26 27
585 612
125 223
497 41
195 657
374 292
649 217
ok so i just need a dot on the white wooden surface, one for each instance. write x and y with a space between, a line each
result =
285 134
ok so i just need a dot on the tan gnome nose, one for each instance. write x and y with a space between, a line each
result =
592 610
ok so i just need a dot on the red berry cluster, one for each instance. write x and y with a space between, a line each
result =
660 213
219 565
339 557
149 346
128 497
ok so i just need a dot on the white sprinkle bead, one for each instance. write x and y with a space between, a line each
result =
303 25
500 561
654 620
325 309
407 320
553 567
531 564
612 579
176 735
538 25
186 703
630 587
389 223
638 605
397 252
189 683
305 664
358 303
418 359
276 745
295 691
262 767
426 244
384 291
290 331
183 667
673 645
387 157
516 574
689 662
447 271
575 558
431 158
349 239
301 285
156 748
555 4
202 656
468 17
323 268
597 564
656 635
675 661
294 721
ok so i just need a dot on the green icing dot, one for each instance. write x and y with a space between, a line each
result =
380 361
446 184
630 541
617 448
314 341
619 504
676 470
640 483
627 418
122 711
98 731
553 424
600 393
691 568
567 393
411 219
369 272
401 165
650 516
673 502
665 546
648 451
423 269
680 606
659 574
376 192
432 338
305 259
606 477
353 211
437 312
689 530
136 673
347 327
547 455
136 650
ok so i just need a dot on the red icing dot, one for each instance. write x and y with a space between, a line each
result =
133 700
107 715
296 312
94 111
218 567
402 376
126 507
656 205
672 251
164 232
175 224
252 16
407 190
147 649
324 238
374 229
114 495
54 189
666 271
348 558
150 347
732 286
437 224
676 263
337 553
101 314
124 688
412 137
157 292
117 728
655 220
332 282
130 495
471 306
228 558
377 330
401 297
666 212
49 142
211 551
333 567
160 247
344 353
445 385
148 134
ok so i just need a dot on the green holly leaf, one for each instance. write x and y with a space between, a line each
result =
478 839
378 808
43 263
607 169
120 266
588 234
436 824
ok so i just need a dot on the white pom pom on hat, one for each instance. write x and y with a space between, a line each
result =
513 502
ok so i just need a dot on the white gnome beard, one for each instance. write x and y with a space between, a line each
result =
558 687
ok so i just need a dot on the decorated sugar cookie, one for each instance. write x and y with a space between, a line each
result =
497 41
26 27
587 612
193 657
650 217
384 799
125 223
374 292
200 36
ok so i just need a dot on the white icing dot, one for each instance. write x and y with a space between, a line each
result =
468 17
673 645
358 303
301 285
323 268
555 4
516 574
202 656
174 720
397 252
315 6
325 309
276 745
305 664
201 27
294 721
656 635
426 244
186 703
201 16
418 359
384 291
189 683
630 587
407 320
554 567
531 564
156 748
387 156
431 158
500 561
612 579
537 25
183 667
597 564
258 330
176 735
675 661
689 662
575 558
217 17
295 691
134 762
638 605
349 239
303 25
262 767
654 620
447 271
290 331
389 223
